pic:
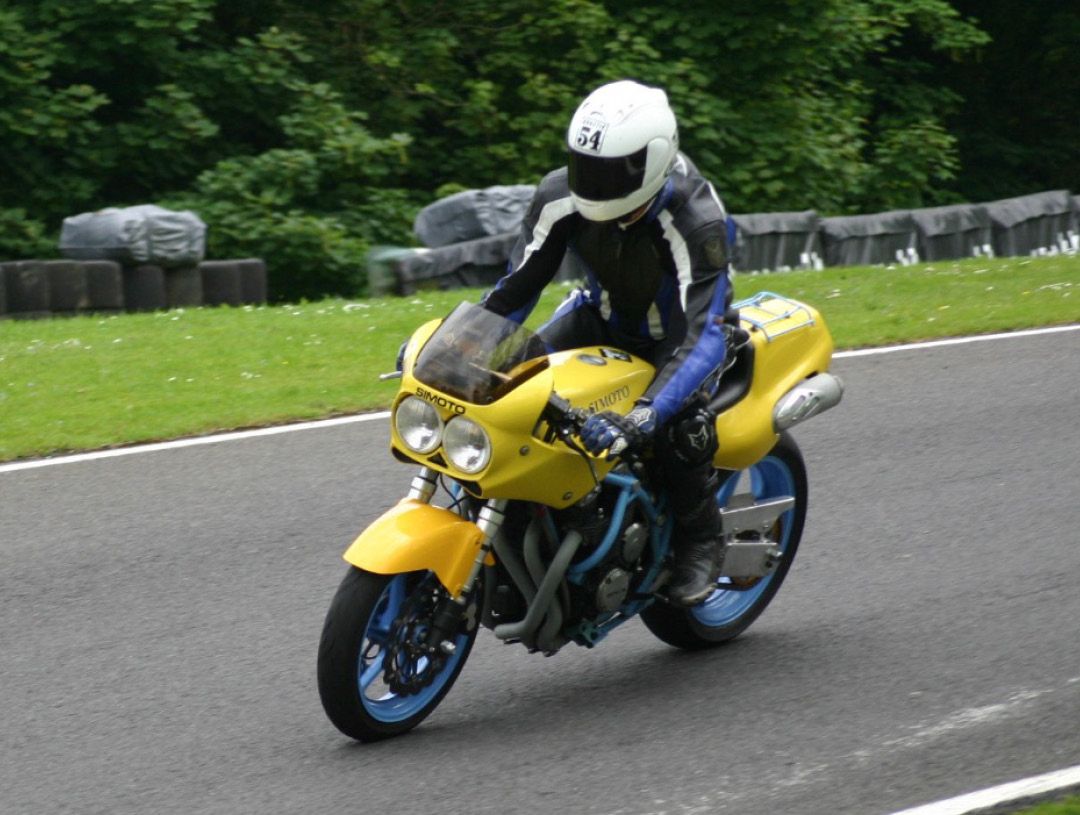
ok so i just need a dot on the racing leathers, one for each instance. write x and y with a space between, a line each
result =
659 288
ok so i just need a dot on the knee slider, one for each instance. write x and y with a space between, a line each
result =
691 437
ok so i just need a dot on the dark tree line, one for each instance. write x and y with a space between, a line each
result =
305 133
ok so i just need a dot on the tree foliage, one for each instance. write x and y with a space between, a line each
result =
1017 129
306 133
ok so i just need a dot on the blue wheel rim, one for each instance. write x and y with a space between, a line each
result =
375 695
769 478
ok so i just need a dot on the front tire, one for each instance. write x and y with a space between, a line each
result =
373 618
728 612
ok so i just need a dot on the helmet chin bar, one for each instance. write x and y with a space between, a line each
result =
619 210
633 217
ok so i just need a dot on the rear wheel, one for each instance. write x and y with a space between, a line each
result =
729 610
377 678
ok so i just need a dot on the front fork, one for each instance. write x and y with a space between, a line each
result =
450 611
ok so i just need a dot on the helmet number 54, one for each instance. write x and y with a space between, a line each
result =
591 135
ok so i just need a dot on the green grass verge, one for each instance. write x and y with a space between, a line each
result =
90 382
1069 806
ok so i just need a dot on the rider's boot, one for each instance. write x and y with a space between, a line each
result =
696 546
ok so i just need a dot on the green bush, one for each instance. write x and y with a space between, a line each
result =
311 211
23 237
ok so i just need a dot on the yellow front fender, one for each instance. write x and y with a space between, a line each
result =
413 536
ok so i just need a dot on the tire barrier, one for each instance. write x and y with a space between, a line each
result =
472 215
778 240
220 282
43 288
1043 223
183 287
870 240
144 288
104 285
953 232
134 236
26 284
68 289
253 289
480 262
1033 224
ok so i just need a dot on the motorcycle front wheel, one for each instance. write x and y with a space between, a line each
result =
727 612
376 677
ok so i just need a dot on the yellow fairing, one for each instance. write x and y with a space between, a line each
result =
414 536
525 464
791 343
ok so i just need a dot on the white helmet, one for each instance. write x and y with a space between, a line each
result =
623 141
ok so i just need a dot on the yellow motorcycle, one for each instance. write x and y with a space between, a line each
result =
538 540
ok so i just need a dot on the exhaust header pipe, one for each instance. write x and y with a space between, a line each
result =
809 398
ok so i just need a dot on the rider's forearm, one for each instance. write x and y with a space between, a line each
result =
702 352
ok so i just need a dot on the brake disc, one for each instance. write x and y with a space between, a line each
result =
410 664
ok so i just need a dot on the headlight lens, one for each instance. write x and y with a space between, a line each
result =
467 445
418 424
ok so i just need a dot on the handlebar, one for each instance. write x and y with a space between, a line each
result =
560 412
568 421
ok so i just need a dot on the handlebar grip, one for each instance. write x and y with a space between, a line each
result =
560 411
561 406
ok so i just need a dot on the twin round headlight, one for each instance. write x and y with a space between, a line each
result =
422 430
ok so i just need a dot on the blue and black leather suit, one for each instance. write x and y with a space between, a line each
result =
658 288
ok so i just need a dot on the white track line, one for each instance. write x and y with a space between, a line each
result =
1017 791
367 417
922 346
192 442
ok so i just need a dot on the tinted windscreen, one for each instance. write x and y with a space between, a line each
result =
604 179
476 355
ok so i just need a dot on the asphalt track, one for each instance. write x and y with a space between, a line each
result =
160 613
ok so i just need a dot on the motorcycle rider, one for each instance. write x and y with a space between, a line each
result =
653 237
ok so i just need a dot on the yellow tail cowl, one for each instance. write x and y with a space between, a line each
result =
791 344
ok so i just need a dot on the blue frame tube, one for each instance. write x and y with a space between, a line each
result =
631 491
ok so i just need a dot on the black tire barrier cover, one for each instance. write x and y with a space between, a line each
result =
68 291
478 262
183 287
776 240
253 289
27 288
104 285
1031 224
868 240
955 231
144 288
220 282
473 214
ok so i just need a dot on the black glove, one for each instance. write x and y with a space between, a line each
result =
616 433
401 355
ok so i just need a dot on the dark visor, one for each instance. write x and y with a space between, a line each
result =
605 179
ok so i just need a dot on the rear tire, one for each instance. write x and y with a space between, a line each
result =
368 615
727 613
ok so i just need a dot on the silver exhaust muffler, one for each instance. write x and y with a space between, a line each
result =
809 398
